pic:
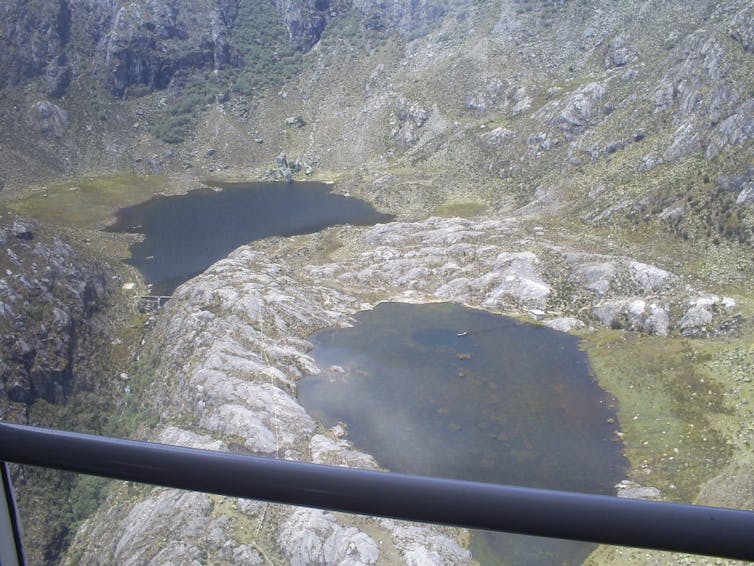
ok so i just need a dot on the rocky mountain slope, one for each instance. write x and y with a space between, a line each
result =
227 352
584 162
600 107
51 298
244 327
57 366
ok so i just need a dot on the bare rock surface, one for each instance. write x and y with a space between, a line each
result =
51 302
564 324
48 119
707 315
406 17
632 490
305 20
487 264
231 345
575 112
422 547
311 536
338 452
742 29
498 137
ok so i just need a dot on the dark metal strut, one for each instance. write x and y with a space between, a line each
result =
11 545
593 518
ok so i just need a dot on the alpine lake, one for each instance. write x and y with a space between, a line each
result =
435 389
184 234
445 390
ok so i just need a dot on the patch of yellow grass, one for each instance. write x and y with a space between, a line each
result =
87 202
459 209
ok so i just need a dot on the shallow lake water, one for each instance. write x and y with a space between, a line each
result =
185 234
444 390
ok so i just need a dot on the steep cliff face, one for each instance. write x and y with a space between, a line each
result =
150 41
144 42
134 44
305 20
50 301
406 17
34 35
55 363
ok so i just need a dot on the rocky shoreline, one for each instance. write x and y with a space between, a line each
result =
231 345
227 350
600 156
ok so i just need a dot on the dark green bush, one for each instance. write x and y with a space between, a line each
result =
261 37
171 129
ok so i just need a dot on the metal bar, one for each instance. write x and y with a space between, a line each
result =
601 519
11 546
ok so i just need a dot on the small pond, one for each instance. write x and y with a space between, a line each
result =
444 390
185 234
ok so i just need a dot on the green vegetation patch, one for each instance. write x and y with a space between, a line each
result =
87 202
670 401
261 37
460 209
175 122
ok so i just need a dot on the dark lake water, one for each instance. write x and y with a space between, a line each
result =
503 402
185 234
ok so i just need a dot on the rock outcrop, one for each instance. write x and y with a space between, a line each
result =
742 185
575 112
742 28
150 41
49 303
242 325
48 119
411 117
402 15
33 37
462 260
58 76
710 111
305 20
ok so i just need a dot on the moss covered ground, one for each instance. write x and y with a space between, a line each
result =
87 201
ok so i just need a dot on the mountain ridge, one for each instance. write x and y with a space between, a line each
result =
585 160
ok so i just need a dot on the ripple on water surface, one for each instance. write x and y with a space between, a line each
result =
449 391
